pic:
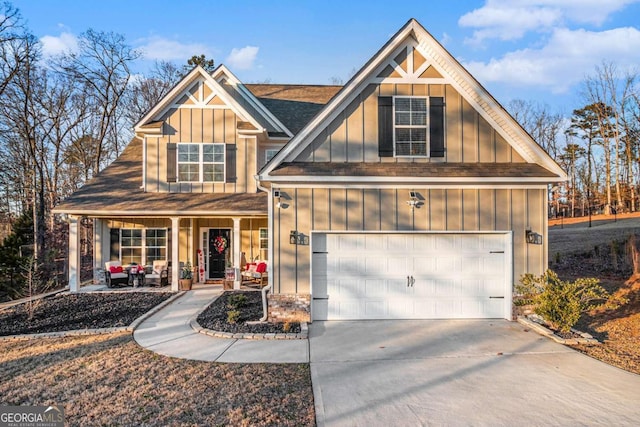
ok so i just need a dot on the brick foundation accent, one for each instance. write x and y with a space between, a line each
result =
289 307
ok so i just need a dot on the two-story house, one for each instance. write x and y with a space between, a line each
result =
407 193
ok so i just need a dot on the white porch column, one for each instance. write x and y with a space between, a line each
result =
74 255
237 255
175 256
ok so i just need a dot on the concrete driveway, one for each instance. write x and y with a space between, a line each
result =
458 372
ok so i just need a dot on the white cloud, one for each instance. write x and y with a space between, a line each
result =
162 49
55 45
564 61
512 19
243 58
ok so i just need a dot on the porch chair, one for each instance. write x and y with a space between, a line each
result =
159 273
257 272
115 274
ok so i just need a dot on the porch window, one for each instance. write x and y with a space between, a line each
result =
264 243
131 246
410 126
201 162
143 246
155 245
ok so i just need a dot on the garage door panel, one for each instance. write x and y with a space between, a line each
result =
399 242
374 266
423 265
447 264
375 309
375 288
444 242
452 276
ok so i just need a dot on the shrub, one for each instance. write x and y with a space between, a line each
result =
560 302
233 316
236 301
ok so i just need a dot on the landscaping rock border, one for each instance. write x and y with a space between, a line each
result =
536 323
133 326
304 330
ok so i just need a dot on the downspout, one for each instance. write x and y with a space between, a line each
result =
269 286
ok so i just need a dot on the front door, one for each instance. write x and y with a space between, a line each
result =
218 249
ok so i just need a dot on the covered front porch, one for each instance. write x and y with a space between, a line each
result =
211 245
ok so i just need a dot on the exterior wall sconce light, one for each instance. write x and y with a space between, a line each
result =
297 238
277 195
413 201
532 237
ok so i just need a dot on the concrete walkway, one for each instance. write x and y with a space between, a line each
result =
168 332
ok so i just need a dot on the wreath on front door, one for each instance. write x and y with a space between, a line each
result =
220 244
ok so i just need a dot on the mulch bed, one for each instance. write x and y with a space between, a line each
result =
216 315
66 312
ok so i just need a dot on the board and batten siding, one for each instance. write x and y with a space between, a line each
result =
330 209
353 135
200 125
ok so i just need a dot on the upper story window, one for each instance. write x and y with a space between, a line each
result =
201 162
269 154
410 126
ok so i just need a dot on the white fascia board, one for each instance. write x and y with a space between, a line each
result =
331 110
454 73
235 107
249 97
181 86
167 102
484 103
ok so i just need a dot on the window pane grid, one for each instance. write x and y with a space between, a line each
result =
410 127
143 246
201 162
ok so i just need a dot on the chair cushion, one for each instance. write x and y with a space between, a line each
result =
116 269
261 268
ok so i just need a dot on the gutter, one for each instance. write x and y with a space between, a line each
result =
269 287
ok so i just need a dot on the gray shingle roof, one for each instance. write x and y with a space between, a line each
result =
116 191
424 170
293 105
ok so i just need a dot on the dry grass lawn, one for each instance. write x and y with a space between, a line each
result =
109 380
577 250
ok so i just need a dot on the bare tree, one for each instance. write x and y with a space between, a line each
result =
13 45
544 126
102 66
146 91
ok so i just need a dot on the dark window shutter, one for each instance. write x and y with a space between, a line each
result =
385 126
114 240
172 149
436 126
230 163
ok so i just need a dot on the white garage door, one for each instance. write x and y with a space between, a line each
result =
411 276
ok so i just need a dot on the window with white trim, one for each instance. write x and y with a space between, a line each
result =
143 246
201 162
131 245
155 245
264 243
269 154
411 124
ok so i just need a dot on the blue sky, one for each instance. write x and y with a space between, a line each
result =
537 50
